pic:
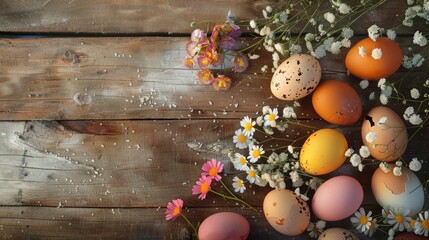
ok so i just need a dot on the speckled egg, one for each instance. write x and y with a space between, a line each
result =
366 67
337 234
323 152
337 102
405 191
224 226
286 212
296 77
409 236
385 134
337 198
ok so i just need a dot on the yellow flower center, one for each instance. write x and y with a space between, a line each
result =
243 161
413 223
252 173
213 171
363 220
176 211
241 138
399 218
189 62
240 62
222 84
372 225
425 224
205 187
272 117
256 153
240 183
248 126
205 61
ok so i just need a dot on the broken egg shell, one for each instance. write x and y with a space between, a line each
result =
391 136
286 212
296 77
323 152
337 102
405 191
224 226
337 234
337 198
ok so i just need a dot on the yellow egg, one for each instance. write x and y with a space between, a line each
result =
323 152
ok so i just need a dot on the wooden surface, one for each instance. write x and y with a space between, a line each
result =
102 125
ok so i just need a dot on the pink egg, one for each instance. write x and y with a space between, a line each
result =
337 198
224 226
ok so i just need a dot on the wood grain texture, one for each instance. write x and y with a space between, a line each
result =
150 16
137 78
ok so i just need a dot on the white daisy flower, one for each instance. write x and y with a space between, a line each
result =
399 218
371 137
391 234
240 162
238 185
248 126
362 51
315 229
415 165
241 140
376 53
271 117
422 227
364 151
372 228
252 175
415 93
255 153
361 221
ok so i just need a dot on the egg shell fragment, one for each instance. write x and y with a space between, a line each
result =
366 67
337 234
286 212
391 135
323 152
296 77
337 198
405 191
337 102
224 226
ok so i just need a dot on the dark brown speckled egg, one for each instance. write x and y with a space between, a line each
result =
337 234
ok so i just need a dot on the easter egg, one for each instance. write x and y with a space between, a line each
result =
323 152
337 234
409 236
286 212
405 191
385 134
337 198
337 102
224 226
296 77
366 67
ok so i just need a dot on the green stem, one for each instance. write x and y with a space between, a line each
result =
235 199
190 224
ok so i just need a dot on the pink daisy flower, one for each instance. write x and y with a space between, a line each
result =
240 62
202 187
205 76
174 209
221 83
212 169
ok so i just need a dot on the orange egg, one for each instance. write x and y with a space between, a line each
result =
366 67
337 102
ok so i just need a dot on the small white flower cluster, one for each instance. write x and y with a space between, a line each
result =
374 32
412 117
356 159
397 219
420 9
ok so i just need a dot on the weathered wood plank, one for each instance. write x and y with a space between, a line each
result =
130 163
143 17
134 78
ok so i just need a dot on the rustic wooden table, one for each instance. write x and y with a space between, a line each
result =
102 125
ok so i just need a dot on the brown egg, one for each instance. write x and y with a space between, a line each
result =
337 102
389 137
409 236
337 234
366 67
286 212
296 77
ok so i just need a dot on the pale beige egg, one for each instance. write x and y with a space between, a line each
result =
337 234
296 77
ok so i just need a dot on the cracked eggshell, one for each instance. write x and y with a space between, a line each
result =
405 191
286 212
323 152
337 234
224 226
337 102
296 77
337 198
391 136
366 67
